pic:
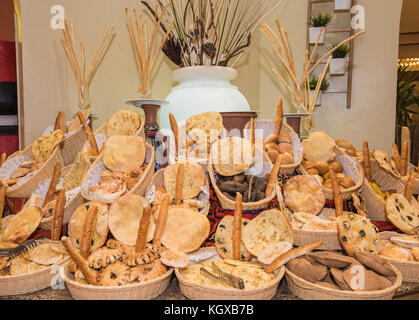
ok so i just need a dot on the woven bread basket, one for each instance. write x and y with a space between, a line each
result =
310 291
329 237
268 128
69 208
31 282
404 179
100 135
384 179
351 168
72 145
229 204
142 291
158 181
195 291
140 188
25 189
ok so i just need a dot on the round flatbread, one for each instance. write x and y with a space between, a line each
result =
76 223
194 180
272 252
224 239
124 219
402 214
123 153
185 230
44 255
231 156
357 234
252 277
22 225
201 126
304 194
386 163
4 222
319 147
43 147
123 123
20 265
267 228
174 259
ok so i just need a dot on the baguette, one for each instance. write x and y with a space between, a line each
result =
403 161
237 226
337 195
3 158
89 275
161 220
366 161
60 122
53 184
143 230
396 156
89 133
179 184
57 217
294 253
273 155
2 199
87 235
279 117
408 190
175 129
252 135
273 177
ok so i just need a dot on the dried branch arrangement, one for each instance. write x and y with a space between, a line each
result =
79 67
209 32
145 50
300 89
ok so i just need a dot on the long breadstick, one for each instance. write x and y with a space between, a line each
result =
175 129
89 133
408 190
161 221
279 117
337 195
179 184
252 135
60 123
53 184
273 154
237 226
273 176
2 199
404 156
89 275
143 230
3 158
57 217
87 235
396 156
366 161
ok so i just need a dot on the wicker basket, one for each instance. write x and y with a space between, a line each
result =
229 204
408 269
28 283
375 205
195 291
384 179
158 180
268 127
70 207
25 189
72 145
352 169
140 188
329 237
142 291
102 131
310 291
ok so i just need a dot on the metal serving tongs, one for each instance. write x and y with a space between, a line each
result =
14 252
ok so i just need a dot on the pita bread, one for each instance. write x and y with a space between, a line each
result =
201 126
175 259
124 218
44 255
319 147
22 225
231 156
34 201
185 230
252 277
122 153
76 224
21 265
272 252
194 180
43 147
123 123
386 163
304 194
269 227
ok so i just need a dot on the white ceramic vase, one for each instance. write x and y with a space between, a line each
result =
337 66
314 33
202 89
343 5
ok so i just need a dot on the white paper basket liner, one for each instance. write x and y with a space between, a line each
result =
12 165
349 167
100 140
43 186
203 255
51 129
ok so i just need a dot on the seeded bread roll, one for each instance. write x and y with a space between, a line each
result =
285 147
287 158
